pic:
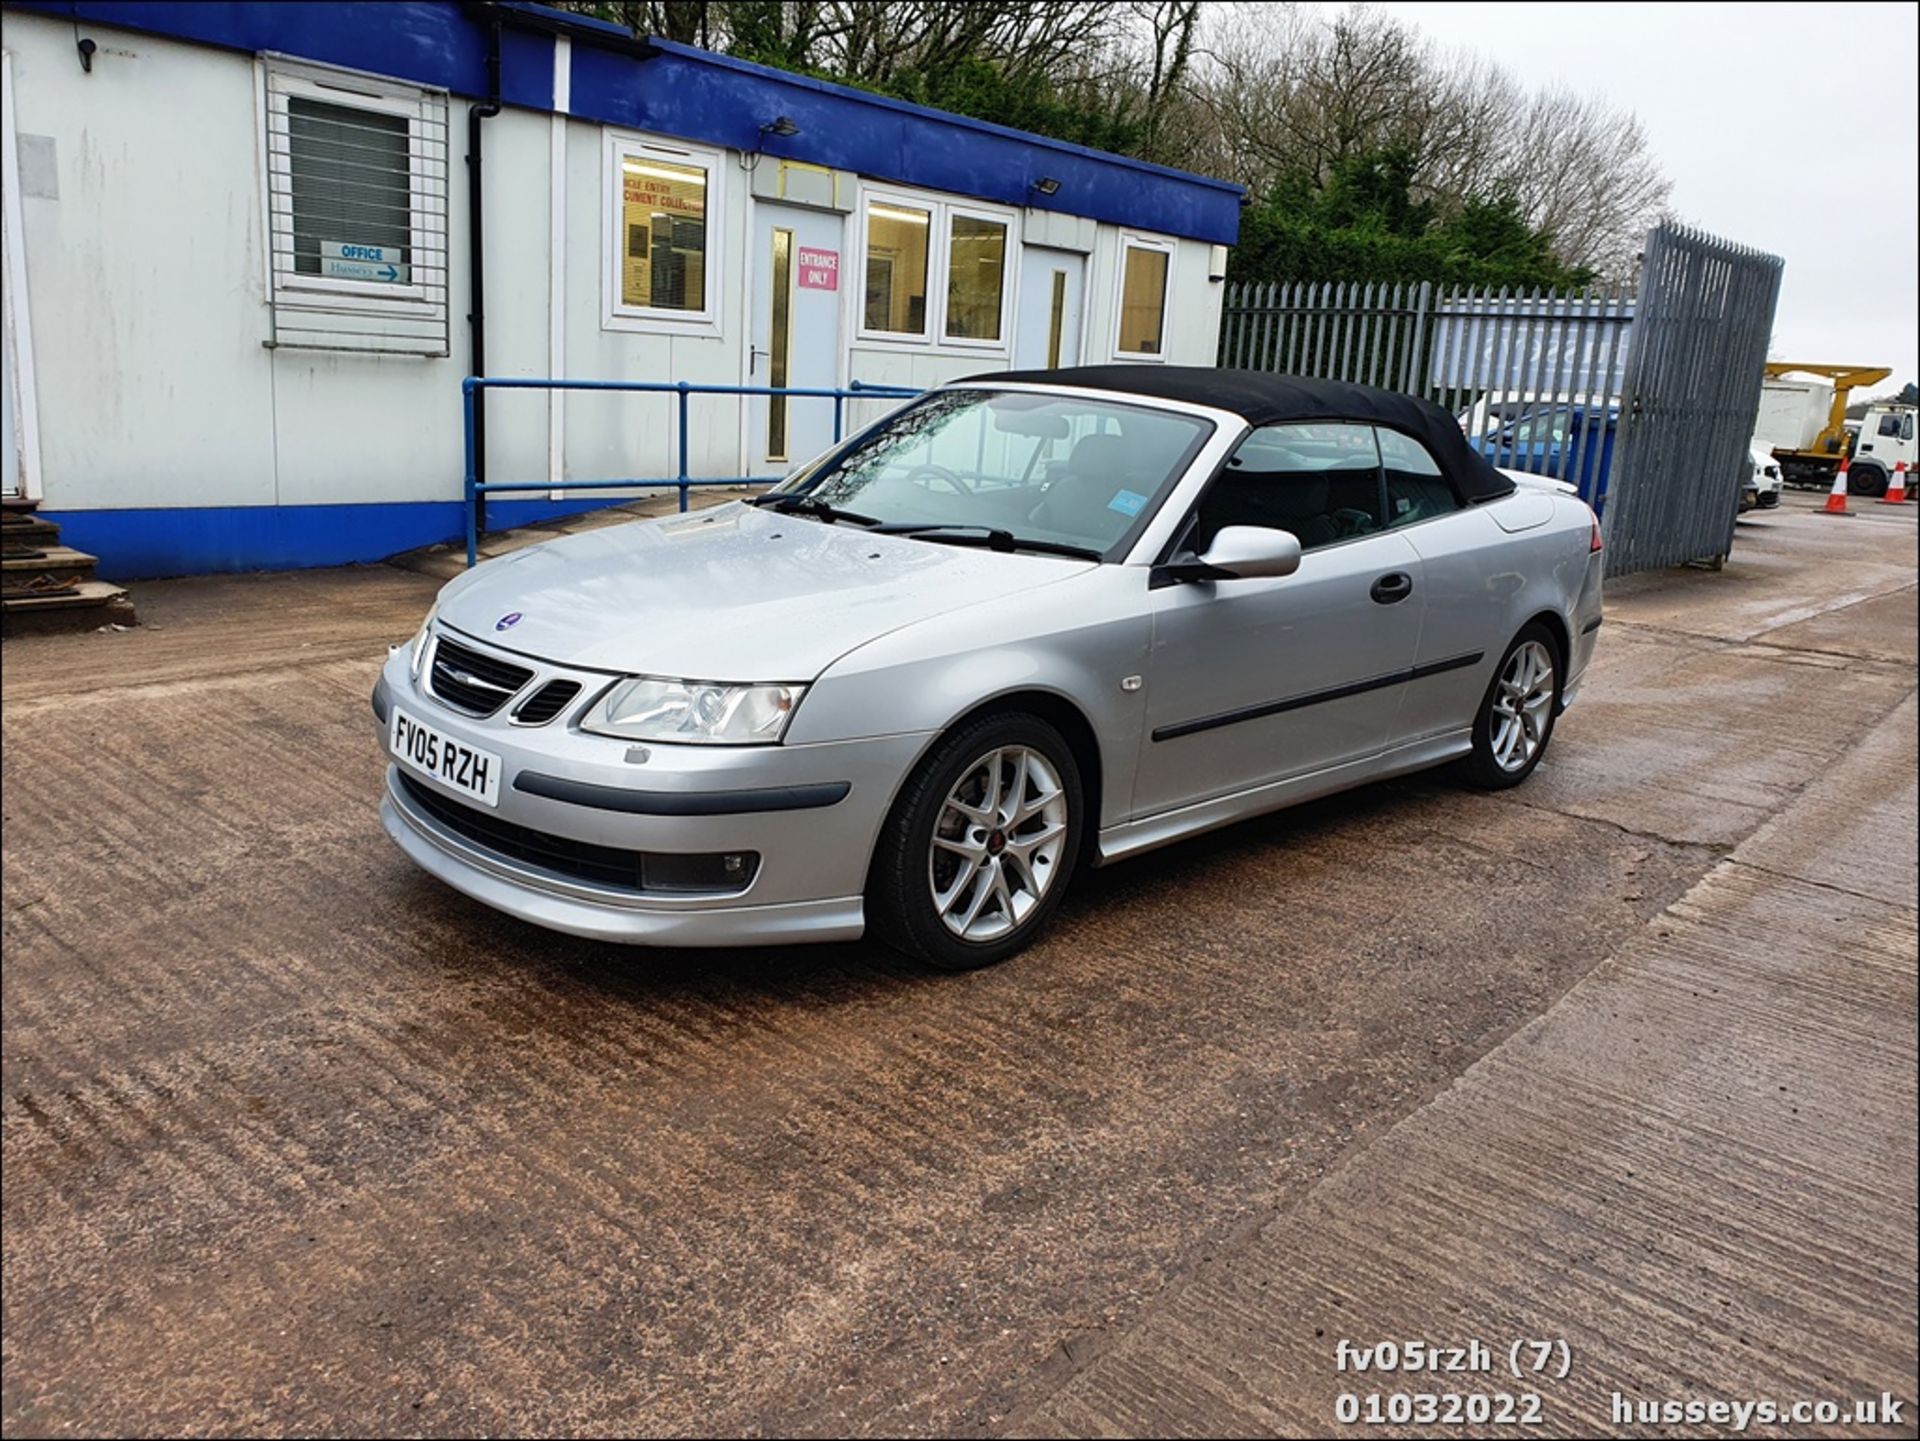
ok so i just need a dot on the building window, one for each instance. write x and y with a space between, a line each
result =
1056 319
976 277
664 219
780 343
1143 299
898 238
936 272
357 207
352 191
664 269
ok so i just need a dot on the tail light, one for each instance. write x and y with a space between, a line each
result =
1596 544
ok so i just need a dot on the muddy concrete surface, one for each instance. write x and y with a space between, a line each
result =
297 1139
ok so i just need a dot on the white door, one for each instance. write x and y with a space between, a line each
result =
12 480
1046 332
16 345
797 275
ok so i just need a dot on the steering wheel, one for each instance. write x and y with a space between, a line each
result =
1350 522
925 475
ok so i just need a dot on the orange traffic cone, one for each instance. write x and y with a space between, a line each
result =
1897 487
1837 497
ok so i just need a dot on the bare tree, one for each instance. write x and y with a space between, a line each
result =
1582 171
1288 92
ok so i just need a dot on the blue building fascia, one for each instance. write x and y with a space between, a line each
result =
669 89
146 542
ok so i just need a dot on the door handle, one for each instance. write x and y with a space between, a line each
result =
1394 586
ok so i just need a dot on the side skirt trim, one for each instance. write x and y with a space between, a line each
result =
1314 697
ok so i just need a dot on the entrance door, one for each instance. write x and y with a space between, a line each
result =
796 333
1047 329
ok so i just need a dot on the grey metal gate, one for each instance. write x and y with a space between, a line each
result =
1644 401
1689 400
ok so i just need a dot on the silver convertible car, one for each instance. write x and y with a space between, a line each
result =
1027 623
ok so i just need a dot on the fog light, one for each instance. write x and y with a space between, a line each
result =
729 871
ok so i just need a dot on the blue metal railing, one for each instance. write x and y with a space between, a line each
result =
474 384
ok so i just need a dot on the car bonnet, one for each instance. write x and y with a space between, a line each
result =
727 594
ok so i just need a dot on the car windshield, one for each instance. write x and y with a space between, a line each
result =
1062 471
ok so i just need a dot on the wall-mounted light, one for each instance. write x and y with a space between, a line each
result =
781 125
1047 185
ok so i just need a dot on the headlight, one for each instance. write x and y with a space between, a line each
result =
651 709
417 650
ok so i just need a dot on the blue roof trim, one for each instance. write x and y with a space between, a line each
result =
612 29
698 96
926 112
427 42
695 95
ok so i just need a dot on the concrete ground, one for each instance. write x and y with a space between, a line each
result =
298 1140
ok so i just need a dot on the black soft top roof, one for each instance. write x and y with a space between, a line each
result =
1266 399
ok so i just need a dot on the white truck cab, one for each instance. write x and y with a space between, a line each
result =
1886 437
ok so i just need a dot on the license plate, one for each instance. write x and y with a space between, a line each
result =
419 747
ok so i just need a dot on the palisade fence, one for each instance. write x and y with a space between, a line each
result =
1643 398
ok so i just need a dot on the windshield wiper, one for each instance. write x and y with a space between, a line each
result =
806 505
989 536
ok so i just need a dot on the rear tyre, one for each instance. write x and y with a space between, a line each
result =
1516 716
980 844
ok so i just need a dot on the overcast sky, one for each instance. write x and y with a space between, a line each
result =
1788 127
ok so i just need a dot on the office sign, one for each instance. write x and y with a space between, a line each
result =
345 261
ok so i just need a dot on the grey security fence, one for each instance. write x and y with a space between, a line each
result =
1631 397
1491 356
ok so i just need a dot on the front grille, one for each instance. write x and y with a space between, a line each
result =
547 702
603 865
713 874
473 682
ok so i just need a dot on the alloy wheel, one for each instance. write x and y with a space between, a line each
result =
997 843
1522 706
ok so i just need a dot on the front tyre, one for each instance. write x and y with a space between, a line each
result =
1516 717
980 844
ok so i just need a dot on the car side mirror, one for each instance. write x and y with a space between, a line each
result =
1252 552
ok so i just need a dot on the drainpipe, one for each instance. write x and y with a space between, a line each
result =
476 267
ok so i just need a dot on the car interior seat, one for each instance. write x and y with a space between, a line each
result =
1079 500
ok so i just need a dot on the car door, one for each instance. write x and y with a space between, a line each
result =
1465 587
1254 681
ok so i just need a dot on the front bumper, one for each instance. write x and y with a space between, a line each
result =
813 857
546 901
